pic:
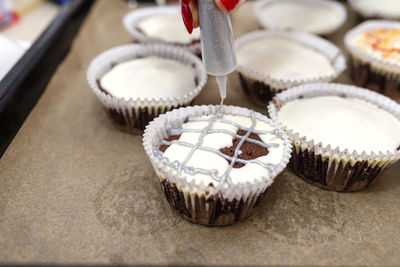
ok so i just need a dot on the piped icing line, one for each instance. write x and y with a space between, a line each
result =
326 48
180 166
245 189
225 176
235 135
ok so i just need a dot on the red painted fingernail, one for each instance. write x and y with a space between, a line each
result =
187 2
229 4
187 17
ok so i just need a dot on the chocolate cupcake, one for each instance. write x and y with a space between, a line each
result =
344 137
313 16
135 83
215 165
373 9
272 61
162 25
374 55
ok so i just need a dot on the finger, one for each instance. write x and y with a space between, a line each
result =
229 6
190 14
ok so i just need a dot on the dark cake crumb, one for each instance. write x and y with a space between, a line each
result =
169 139
249 150
101 88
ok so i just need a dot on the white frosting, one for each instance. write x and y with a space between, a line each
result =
347 123
209 160
149 77
168 27
389 42
284 59
303 16
378 7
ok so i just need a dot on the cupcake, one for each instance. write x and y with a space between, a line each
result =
313 16
374 54
161 25
344 137
373 9
135 83
215 164
271 61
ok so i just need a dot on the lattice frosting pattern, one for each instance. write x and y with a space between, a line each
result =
219 124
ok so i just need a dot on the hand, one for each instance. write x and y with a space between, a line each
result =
190 13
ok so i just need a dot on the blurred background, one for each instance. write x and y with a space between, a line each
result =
21 23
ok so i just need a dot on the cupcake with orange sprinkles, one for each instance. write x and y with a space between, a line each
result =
374 55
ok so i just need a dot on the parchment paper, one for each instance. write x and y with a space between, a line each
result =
74 189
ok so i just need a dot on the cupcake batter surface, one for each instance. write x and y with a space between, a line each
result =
226 143
168 27
279 58
149 77
304 16
343 122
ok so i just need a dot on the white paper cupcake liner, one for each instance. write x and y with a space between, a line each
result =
187 193
378 65
338 8
131 19
321 45
167 2
326 166
137 109
367 12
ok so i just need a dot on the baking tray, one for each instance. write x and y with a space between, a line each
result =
24 84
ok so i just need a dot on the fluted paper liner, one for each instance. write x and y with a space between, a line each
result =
329 167
263 86
133 115
338 8
368 13
167 2
197 201
366 69
131 19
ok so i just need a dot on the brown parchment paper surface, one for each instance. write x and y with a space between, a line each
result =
74 189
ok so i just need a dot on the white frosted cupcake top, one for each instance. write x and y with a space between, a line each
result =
380 43
168 27
308 16
197 152
347 123
149 77
281 58
379 8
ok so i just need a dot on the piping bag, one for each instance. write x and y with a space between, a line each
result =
217 44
